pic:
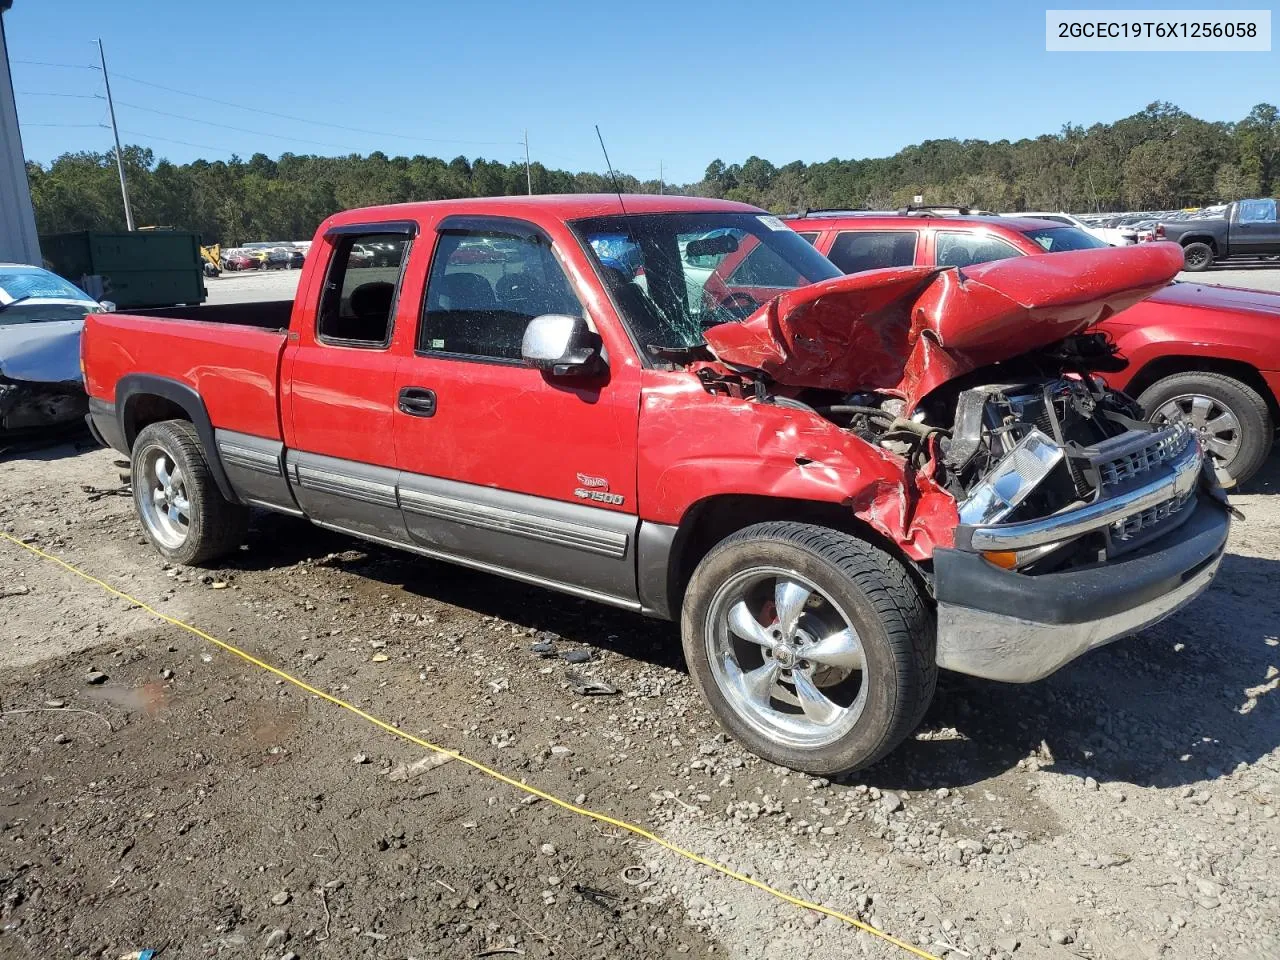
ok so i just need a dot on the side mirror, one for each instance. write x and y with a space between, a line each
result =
562 346
108 306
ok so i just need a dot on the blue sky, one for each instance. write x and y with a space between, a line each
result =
673 82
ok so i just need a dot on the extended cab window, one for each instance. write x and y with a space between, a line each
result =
968 249
765 267
484 289
1257 211
855 251
360 290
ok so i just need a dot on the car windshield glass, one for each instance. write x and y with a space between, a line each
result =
1060 239
673 275
15 284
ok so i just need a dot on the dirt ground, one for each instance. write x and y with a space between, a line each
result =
190 803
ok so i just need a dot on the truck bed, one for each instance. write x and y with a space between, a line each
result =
229 355
268 314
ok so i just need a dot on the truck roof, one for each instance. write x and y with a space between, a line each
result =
562 206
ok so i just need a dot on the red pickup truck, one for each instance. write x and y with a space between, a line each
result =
836 493
1203 353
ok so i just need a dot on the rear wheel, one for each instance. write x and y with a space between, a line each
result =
1197 256
1232 419
815 650
181 508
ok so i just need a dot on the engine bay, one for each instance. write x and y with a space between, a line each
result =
1010 442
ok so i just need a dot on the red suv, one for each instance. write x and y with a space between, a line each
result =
1207 354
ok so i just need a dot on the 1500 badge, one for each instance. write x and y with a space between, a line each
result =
597 490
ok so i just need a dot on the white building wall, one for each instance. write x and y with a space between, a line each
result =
17 219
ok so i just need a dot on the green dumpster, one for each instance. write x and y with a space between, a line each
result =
147 268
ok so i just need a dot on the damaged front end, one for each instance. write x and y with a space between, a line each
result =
40 381
1077 521
27 408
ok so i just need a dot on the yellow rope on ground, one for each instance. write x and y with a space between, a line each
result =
487 771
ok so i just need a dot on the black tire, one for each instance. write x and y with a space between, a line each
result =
877 596
1257 430
1197 256
215 527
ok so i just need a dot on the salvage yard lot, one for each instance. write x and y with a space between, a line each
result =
1125 807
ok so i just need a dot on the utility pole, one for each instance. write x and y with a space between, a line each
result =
528 176
18 240
111 107
661 183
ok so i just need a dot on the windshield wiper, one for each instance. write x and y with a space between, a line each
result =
6 306
681 355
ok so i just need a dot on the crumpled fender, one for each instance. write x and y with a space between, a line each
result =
907 330
47 352
694 445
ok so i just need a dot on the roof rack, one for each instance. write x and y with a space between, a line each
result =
934 209
834 212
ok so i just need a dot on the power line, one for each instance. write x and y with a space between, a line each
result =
185 143
227 126
26 124
46 63
320 123
74 96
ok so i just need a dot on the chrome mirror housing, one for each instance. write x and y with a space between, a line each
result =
562 345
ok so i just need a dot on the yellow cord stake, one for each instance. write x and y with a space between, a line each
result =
487 771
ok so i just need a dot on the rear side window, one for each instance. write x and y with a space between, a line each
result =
810 238
1257 211
855 251
968 249
360 290
1062 239
483 290
764 267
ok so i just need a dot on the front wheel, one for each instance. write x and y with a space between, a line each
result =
814 649
1232 419
181 508
1197 257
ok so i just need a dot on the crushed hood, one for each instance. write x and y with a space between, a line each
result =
907 330
44 352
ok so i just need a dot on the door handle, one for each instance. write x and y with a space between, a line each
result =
417 401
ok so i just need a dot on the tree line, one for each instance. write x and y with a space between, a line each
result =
1159 158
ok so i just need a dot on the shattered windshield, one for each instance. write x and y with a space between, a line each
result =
672 275
29 294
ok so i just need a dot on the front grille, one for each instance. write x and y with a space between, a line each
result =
1164 446
1130 527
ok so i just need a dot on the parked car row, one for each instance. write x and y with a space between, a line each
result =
263 256
1116 236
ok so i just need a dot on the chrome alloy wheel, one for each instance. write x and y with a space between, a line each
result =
1214 421
163 502
787 659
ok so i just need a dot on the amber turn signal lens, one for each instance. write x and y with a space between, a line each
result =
1005 559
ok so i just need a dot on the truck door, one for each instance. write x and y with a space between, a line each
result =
504 467
338 381
1255 231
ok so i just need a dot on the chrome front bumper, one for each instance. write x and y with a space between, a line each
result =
1004 625
1003 647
